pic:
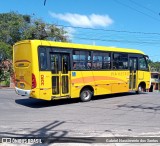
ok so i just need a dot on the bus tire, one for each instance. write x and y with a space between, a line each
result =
141 89
86 95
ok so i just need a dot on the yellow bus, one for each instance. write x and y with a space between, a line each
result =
54 70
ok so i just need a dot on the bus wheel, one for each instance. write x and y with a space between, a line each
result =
85 95
141 89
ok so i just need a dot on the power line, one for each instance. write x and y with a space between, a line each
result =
110 30
117 36
112 37
154 12
137 10
114 40
112 34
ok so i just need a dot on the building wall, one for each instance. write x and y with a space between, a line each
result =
155 82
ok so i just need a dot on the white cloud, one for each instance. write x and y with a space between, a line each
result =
70 32
78 20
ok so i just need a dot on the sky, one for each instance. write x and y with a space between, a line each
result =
131 24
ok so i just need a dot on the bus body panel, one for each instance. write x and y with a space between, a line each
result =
23 66
144 76
40 84
45 90
77 83
105 82
120 81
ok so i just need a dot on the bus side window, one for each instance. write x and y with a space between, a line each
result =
115 61
54 63
120 61
106 61
81 60
89 65
143 64
76 58
89 62
74 65
97 60
65 64
43 59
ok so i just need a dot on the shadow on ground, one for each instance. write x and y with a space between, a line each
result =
48 135
142 107
36 103
116 95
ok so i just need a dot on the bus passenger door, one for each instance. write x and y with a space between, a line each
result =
64 75
60 75
133 65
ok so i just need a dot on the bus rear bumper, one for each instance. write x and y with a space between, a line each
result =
23 92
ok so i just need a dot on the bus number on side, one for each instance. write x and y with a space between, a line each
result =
42 79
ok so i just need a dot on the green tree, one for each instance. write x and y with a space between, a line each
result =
5 61
11 27
15 27
5 51
155 66
43 31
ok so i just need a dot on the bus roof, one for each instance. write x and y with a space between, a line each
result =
79 46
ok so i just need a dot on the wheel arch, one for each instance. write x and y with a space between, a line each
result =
142 84
88 87
141 87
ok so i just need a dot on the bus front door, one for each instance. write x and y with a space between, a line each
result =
60 75
133 64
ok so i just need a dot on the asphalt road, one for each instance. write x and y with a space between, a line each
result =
126 114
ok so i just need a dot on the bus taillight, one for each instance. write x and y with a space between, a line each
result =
34 84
